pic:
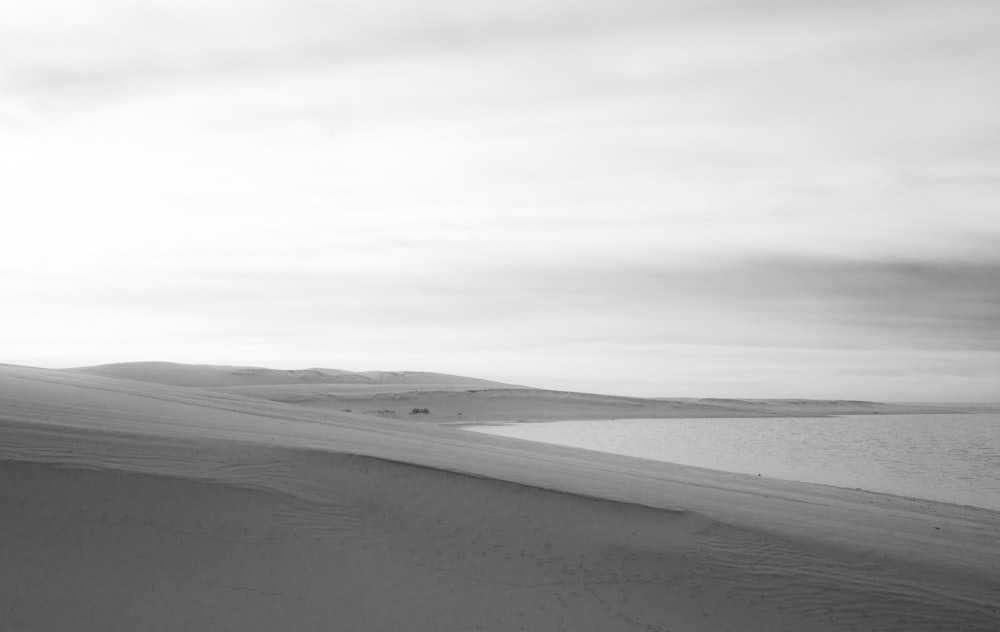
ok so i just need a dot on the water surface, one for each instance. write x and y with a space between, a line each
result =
950 458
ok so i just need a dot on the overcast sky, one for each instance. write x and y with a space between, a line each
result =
728 198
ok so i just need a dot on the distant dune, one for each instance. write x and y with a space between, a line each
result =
456 398
136 506
208 375
524 404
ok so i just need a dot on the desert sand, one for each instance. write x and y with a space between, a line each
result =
454 398
135 505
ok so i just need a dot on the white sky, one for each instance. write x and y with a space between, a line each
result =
694 198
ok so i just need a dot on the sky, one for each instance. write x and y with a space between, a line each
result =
692 198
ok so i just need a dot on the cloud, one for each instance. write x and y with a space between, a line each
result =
793 327
805 303
787 301
559 178
770 56
68 49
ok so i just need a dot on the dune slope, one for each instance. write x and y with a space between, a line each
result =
126 506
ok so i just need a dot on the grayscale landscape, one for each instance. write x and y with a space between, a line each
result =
499 316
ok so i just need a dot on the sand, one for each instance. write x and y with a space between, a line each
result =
456 403
212 375
456 398
139 506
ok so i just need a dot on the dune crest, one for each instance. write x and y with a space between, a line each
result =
211 375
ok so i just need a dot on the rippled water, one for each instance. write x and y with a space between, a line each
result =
951 458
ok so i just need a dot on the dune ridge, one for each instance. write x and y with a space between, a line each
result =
452 398
212 375
121 500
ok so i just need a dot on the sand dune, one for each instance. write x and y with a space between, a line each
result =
394 394
209 375
452 398
132 506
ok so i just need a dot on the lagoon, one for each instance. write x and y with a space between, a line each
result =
950 458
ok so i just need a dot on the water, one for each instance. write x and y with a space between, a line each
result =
950 458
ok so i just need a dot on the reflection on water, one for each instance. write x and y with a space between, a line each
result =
951 458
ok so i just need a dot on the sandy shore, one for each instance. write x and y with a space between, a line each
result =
129 506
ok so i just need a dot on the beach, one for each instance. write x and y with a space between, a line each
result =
134 505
